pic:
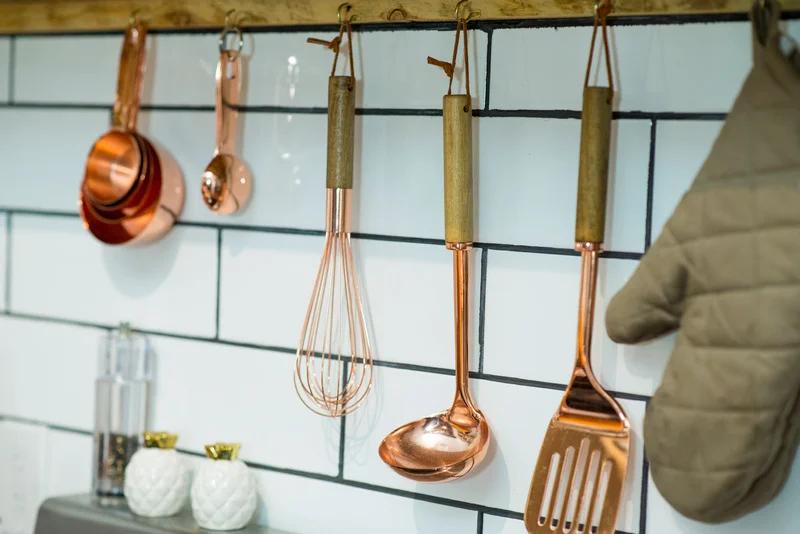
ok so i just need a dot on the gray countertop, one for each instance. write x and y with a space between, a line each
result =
82 514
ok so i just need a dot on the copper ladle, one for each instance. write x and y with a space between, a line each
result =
449 444
227 183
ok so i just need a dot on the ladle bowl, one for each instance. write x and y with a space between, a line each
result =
437 448
226 184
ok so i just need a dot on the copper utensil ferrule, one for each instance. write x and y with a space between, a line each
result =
337 209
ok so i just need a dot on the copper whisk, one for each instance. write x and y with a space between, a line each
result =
333 370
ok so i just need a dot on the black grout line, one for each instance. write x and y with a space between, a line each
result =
7 279
12 59
402 112
480 522
58 105
219 281
482 309
479 25
27 421
390 112
530 113
400 239
415 367
617 115
253 228
180 107
342 432
289 350
556 251
532 249
55 320
487 91
643 501
672 115
651 172
40 213
342 427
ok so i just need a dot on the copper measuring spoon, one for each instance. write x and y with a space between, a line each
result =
114 166
449 444
227 183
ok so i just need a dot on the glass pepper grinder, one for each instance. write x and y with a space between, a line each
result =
122 392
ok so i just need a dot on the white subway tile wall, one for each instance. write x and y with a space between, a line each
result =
44 152
4 243
5 59
224 298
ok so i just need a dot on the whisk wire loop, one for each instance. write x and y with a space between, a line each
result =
333 370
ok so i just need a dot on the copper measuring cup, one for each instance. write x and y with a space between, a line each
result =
143 197
132 191
114 166
133 203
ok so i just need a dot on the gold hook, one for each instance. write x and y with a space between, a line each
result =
135 17
346 7
602 9
228 17
335 43
471 15
400 11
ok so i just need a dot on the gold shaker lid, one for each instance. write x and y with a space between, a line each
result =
159 440
223 451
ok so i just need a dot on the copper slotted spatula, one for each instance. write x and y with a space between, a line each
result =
580 474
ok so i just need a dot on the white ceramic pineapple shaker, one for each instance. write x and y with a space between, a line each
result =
157 479
223 491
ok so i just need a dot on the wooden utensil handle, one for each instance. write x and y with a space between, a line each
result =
341 125
590 220
457 113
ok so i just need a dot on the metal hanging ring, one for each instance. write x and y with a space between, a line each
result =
233 53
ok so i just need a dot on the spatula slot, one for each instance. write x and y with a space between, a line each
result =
557 507
602 487
575 485
552 475
587 490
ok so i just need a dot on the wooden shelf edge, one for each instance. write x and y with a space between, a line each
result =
29 16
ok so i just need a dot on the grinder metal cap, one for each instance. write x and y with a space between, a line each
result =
159 440
223 451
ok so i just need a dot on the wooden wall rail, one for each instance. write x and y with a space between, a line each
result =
21 16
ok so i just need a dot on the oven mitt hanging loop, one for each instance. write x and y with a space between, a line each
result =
722 430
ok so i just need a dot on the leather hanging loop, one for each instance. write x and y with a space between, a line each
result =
336 42
601 12
462 20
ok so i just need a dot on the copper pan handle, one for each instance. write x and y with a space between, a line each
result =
457 115
590 218
129 82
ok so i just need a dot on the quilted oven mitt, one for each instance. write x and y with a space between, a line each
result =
722 430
